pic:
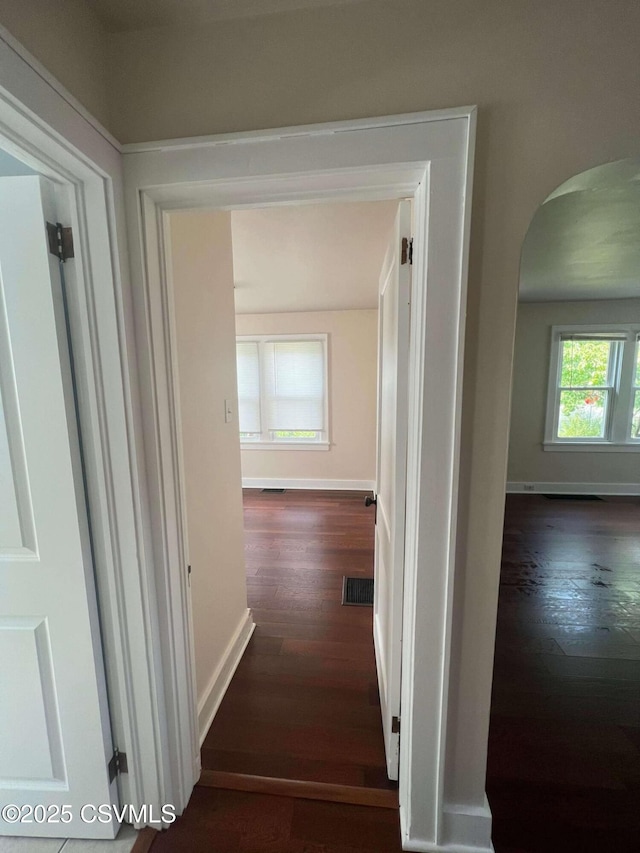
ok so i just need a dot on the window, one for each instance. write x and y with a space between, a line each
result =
282 391
635 412
594 388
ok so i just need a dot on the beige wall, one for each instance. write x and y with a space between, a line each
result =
203 284
69 40
528 462
353 347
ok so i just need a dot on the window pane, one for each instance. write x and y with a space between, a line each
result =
635 418
637 379
582 414
585 363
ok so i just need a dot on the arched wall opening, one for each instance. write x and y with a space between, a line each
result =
568 635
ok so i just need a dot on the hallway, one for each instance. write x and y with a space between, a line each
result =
303 703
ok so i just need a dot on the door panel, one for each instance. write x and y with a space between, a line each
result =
393 365
17 536
55 740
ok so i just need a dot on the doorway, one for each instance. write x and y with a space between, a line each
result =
307 416
426 157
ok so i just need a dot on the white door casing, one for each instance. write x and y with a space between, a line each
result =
426 156
391 464
55 740
45 126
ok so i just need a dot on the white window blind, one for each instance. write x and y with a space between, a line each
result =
294 385
282 391
635 403
248 361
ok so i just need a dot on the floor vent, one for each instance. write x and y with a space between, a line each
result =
573 497
274 491
358 591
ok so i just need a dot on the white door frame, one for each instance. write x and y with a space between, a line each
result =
428 156
41 123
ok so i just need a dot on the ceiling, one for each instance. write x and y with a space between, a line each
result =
123 15
315 257
584 241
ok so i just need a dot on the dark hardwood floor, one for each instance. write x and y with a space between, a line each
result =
303 703
219 821
564 747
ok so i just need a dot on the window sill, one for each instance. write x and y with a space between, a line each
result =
592 446
285 445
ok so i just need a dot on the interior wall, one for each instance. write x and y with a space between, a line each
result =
352 362
528 461
69 40
202 273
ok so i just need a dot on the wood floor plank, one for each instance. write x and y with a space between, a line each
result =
563 768
330 824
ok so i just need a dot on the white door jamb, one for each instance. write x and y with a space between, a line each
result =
43 125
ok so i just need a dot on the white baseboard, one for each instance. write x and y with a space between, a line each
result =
334 485
417 846
574 488
463 830
217 687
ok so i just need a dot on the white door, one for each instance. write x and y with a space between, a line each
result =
55 742
393 365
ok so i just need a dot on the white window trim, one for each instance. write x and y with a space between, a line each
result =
282 445
266 444
617 439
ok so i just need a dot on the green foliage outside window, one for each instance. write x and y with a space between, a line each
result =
582 415
295 433
635 421
585 365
